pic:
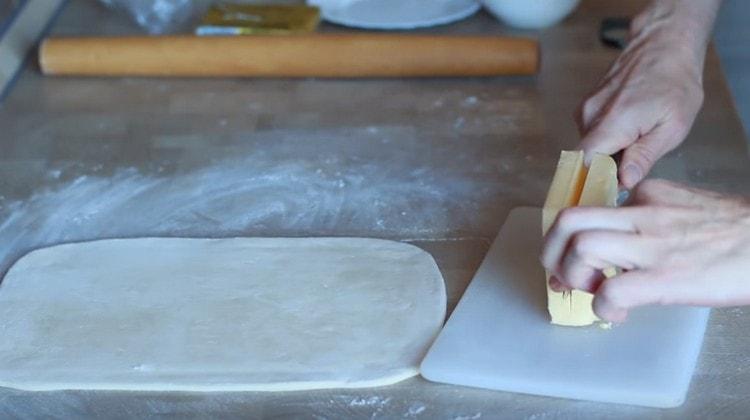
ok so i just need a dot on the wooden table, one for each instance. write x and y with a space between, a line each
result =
437 162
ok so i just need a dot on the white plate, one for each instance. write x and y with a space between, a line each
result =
395 14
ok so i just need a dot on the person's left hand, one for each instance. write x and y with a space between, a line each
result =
676 245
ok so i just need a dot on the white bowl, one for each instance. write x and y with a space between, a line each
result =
530 14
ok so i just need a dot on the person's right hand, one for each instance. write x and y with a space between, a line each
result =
677 246
649 98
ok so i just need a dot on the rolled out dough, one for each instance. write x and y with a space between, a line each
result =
256 314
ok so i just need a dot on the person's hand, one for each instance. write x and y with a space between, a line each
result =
646 103
674 244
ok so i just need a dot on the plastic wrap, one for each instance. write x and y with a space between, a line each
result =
158 16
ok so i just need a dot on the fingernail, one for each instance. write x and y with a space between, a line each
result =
556 285
622 196
631 175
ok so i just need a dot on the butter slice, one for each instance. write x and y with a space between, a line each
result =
574 185
600 188
565 190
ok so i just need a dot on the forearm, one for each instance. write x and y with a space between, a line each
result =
687 24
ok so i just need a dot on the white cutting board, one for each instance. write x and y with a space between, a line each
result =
499 336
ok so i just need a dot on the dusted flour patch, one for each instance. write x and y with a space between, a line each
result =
256 314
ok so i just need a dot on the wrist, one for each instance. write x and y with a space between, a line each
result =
687 22
679 30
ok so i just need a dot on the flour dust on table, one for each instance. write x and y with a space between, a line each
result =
258 195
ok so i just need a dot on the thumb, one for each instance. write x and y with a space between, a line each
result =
616 295
640 157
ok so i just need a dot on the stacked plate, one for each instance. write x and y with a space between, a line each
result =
394 14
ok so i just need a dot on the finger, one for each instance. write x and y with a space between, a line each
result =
596 105
577 273
591 109
556 285
621 67
579 119
615 131
592 251
618 294
576 219
640 157
657 191
661 191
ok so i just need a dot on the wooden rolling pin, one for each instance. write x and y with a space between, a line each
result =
336 55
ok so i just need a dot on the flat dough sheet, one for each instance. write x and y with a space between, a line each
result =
253 314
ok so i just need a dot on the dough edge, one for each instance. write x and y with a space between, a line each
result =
394 378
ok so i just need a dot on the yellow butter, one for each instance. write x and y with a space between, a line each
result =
566 187
600 188
254 19
573 185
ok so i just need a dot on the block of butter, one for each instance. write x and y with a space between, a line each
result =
576 185
248 19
